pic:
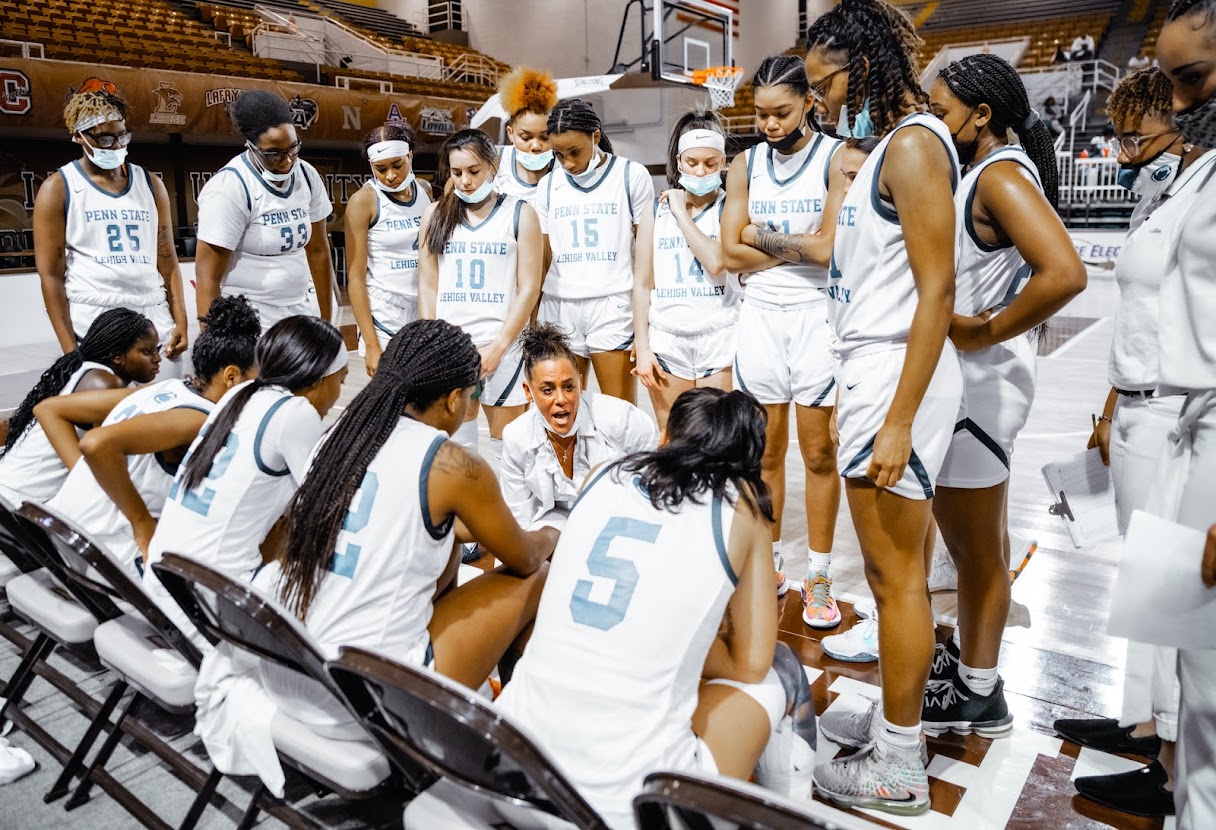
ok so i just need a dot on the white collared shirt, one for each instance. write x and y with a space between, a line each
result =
533 482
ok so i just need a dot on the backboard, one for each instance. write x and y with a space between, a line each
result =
672 38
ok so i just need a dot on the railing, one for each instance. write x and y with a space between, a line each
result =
344 82
223 37
740 124
1092 181
472 68
26 47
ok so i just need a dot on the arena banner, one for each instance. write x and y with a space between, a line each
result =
32 94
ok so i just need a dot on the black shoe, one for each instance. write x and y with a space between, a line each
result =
1107 735
470 552
952 707
1140 792
946 657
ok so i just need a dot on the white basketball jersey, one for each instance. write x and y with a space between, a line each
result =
265 227
872 290
110 238
507 179
787 194
392 246
381 589
477 271
614 640
986 276
224 520
32 469
686 299
590 232
81 498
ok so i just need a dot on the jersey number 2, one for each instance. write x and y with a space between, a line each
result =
199 500
357 517
605 616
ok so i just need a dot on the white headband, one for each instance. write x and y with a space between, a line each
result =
388 150
702 138
92 121
338 363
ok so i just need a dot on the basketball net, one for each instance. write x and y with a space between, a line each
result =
721 81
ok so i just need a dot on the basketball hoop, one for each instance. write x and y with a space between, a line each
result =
721 81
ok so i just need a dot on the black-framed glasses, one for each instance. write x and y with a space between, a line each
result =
109 141
1131 144
819 89
276 156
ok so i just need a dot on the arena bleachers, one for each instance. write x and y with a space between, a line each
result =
1043 34
1154 31
148 34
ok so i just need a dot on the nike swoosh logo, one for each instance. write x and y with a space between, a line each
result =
907 799
850 388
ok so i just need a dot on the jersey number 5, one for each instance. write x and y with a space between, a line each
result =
605 616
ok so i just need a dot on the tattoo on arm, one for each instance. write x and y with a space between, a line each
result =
781 245
164 243
455 460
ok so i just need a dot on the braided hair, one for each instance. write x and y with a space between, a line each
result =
397 131
545 341
714 439
782 70
425 361
987 79
257 110
1146 92
229 339
858 31
112 334
293 355
1185 8
575 114
451 210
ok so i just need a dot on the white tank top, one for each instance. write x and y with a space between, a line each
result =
392 247
611 637
686 298
590 232
265 227
224 520
31 469
81 498
380 591
986 276
787 194
507 179
872 290
477 271
110 239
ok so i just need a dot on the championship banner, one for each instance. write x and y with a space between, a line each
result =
32 94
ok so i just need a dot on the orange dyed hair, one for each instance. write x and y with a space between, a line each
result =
525 89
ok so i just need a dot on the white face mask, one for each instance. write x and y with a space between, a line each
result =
409 180
587 176
1154 176
534 161
105 159
477 196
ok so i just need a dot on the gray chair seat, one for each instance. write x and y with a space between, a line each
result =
448 805
132 647
38 598
8 571
357 766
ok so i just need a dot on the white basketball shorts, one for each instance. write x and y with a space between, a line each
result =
782 353
506 386
694 356
598 324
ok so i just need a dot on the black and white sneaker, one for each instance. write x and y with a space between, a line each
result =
946 658
951 707
470 552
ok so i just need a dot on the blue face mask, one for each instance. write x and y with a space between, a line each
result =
863 126
534 161
477 196
701 185
587 176
106 159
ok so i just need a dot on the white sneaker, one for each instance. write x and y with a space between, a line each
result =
787 765
865 608
943 576
16 762
858 729
857 645
783 584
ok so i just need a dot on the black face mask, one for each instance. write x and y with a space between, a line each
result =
786 144
966 154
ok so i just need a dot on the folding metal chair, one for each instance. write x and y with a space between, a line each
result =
682 801
127 645
226 610
422 718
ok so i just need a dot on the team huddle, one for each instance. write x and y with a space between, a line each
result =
882 259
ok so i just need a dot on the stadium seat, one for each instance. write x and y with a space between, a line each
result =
676 801
422 718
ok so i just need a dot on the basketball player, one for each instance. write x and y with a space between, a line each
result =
618 684
1016 268
103 231
382 222
1186 52
250 456
776 189
480 269
528 95
370 559
120 348
261 219
1131 434
596 213
565 434
891 300
684 315
117 495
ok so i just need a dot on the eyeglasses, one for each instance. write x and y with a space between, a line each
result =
108 141
276 156
478 388
1132 143
820 88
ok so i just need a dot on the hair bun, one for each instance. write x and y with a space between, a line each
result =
233 317
543 339
525 89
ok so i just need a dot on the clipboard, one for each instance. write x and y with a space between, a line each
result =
1083 497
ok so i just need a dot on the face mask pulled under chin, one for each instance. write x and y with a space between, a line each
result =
409 180
477 196
1198 124
534 161
1146 178
588 176
785 145
276 179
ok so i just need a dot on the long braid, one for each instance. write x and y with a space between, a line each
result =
988 79
425 361
877 33
112 333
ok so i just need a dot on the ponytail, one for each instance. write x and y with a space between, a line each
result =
450 210
697 119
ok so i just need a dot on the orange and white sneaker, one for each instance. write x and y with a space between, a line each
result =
779 567
818 606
